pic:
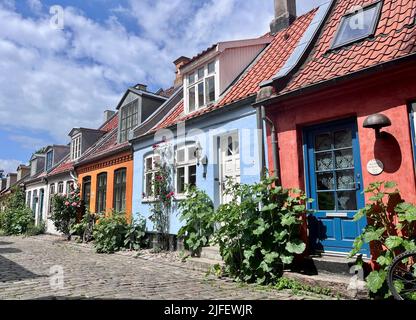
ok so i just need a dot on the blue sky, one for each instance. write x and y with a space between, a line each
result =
52 80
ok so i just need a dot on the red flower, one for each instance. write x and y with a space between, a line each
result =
74 204
159 178
67 203
170 195
155 146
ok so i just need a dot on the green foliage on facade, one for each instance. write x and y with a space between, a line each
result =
197 213
388 236
64 211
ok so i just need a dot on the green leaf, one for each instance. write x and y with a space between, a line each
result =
271 257
295 247
357 245
372 234
375 280
393 242
286 259
390 185
384 261
288 220
379 196
269 207
360 214
398 285
409 245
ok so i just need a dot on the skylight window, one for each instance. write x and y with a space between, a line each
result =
358 25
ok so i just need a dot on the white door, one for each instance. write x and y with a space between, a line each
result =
229 163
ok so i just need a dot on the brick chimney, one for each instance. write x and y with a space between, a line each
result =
178 64
284 15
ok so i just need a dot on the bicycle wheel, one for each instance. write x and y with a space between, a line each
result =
402 276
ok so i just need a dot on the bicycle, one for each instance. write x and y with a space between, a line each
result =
402 276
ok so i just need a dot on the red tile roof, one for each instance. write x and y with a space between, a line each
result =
395 37
64 167
265 67
111 124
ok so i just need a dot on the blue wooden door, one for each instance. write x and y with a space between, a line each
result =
334 179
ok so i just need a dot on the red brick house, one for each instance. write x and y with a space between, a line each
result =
356 62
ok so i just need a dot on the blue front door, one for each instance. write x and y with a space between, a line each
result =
334 181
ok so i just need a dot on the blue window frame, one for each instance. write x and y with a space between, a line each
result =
357 25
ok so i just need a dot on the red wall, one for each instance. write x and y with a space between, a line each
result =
387 94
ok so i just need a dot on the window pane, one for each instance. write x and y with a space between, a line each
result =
192 176
191 153
191 78
326 201
149 164
180 155
347 200
342 139
192 99
211 67
323 142
149 184
201 94
344 159
210 87
230 146
324 161
345 180
201 73
357 26
180 178
325 181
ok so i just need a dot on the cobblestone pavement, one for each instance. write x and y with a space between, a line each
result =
26 265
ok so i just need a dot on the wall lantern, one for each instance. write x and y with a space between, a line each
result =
377 121
204 162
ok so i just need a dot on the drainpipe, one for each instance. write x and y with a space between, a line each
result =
274 142
260 141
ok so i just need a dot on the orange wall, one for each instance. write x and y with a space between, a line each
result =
388 95
109 165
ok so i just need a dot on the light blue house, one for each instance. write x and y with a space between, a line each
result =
208 126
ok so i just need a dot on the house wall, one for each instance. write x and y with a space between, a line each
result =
206 131
388 95
38 214
109 165
234 61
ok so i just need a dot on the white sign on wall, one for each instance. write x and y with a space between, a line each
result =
375 167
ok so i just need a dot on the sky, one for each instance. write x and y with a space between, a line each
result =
62 69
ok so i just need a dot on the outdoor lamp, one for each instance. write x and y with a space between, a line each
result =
377 121
204 162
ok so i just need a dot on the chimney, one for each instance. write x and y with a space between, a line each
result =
178 64
22 171
284 15
141 87
11 179
108 114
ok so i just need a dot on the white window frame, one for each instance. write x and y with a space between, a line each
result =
186 164
76 147
152 173
198 80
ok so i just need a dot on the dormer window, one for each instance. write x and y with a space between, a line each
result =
76 147
49 160
129 118
201 87
357 25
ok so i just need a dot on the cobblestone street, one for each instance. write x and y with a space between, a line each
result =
26 265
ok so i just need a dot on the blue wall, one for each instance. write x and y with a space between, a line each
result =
206 130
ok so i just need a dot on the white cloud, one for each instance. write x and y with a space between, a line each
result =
9 165
54 80
35 5
28 142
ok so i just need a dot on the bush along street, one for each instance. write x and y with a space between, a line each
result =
65 211
17 218
258 232
390 232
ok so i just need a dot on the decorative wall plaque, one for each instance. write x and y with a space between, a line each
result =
375 167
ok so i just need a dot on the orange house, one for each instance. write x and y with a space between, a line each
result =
105 171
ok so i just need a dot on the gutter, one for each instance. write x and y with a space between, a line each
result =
261 120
